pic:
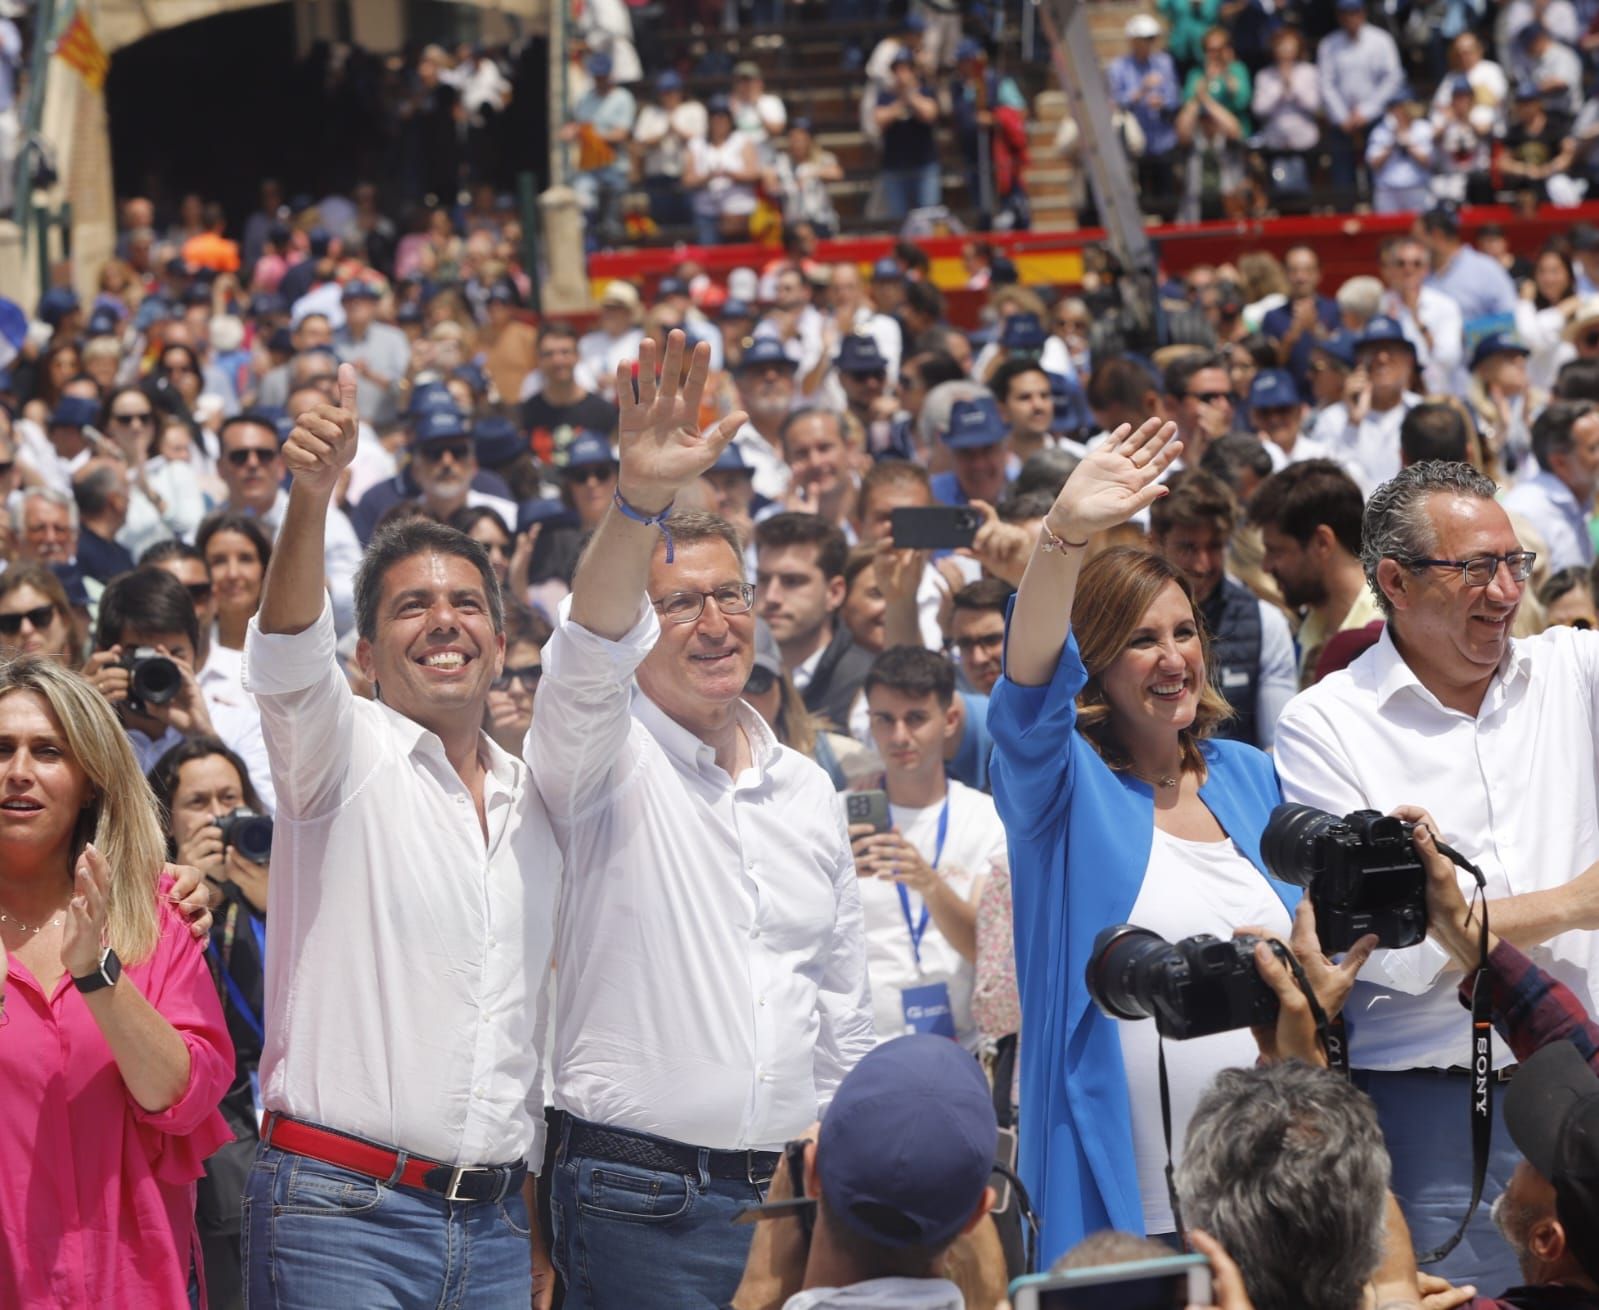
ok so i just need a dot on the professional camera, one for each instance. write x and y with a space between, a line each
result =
250 833
1361 871
152 679
1192 988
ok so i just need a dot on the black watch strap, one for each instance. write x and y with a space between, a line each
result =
106 976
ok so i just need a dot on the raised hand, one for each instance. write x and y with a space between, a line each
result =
323 441
1115 481
84 936
662 449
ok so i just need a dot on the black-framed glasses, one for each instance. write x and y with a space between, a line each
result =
433 452
1211 397
239 458
686 606
1482 569
39 619
138 417
528 675
199 592
983 641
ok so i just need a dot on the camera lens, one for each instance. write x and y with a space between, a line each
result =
1288 845
1123 971
154 680
252 838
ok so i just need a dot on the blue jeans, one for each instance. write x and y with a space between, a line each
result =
1424 1120
905 189
626 1237
317 1237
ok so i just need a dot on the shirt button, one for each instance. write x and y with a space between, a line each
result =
477 1093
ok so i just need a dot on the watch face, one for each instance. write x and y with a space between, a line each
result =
110 966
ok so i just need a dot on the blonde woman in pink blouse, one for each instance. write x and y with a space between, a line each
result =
114 1052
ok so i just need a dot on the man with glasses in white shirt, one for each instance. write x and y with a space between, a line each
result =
1498 739
412 907
712 961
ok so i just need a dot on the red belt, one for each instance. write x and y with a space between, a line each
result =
453 1182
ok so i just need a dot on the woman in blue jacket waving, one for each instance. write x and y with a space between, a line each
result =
1119 808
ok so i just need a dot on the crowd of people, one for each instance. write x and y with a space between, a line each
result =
487 804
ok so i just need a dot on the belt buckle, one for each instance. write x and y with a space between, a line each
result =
750 1169
456 1175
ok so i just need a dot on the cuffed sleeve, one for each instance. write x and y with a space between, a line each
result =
843 999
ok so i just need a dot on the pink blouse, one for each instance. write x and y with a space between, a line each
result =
97 1194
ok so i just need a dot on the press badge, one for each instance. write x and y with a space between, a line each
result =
927 1009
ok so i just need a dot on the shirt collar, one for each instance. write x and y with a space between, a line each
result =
1392 674
689 751
502 766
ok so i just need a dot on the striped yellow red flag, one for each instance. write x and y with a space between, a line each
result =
78 48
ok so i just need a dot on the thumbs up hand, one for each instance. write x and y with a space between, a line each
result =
324 438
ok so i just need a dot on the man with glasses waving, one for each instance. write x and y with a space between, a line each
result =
1498 739
712 963
252 470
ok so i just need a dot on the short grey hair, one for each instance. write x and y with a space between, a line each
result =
1285 1166
1396 524
19 507
1359 297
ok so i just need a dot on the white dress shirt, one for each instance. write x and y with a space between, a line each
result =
1441 347
407 961
1515 789
183 506
1368 450
235 717
342 552
712 963
1549 505
974 845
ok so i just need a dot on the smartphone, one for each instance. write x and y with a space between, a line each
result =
868 807
1169 1284
934 527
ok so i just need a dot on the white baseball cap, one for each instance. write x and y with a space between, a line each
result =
1142 27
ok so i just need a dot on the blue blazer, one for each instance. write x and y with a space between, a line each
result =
1080 835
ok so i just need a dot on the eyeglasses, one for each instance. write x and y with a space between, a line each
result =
239 458
686 606
38 619
139 417
1482 570
760 681
987 641
528 675
1211 397
1410 263
591 473
199 592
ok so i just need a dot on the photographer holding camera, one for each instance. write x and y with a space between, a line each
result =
1448 712
1119 808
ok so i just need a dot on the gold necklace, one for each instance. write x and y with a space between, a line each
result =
1164 780
54 923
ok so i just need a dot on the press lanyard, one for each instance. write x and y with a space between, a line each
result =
918 929
243 1006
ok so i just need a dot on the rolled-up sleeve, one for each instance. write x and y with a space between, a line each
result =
843 1000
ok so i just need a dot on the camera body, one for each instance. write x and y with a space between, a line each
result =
1362 873
153 679
1197 987
248 832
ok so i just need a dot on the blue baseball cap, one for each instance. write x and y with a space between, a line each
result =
503 293
264 304
887 270
1002 271
968 49
473 376
56 304
731 460
1497 343
764 351
432 398
586 450
669 81
542 510
103 322
974 423
670 286
858 354
1273 388
599 65
1071 405
1381 329
497 441
1022 331
736 309
360 289
907 1146
440 425
1340 345
74 412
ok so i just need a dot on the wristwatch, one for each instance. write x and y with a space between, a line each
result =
106 976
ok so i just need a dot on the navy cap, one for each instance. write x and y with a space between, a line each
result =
411 312
1071 405
360 289
1497 343
858 354
1002 271
178 266
281 342
321 240
736 309
1527 89
152 310
529 512
915 21
799 123
473 376
718 104
56 304
503 293
1380 328
599 64
497 441
104 321
669 81
440 425
1552 1114
1022 332
586 450
671 286
968 49
198 294
1273 388
763 351
907 1146
902 56
731 460
266 303
1532 32
974 423
275 417
887 270
1349 6
1340 345
74 412
1460 85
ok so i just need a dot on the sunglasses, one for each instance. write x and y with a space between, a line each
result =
1211 397
528 675
39 619
590 473
139 417
239 458
199 592
459 451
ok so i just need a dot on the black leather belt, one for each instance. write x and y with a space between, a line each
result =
643 1152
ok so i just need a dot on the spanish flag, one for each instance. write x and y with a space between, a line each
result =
78 48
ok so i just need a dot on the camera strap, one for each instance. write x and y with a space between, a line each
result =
1165 1128
1482 1062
